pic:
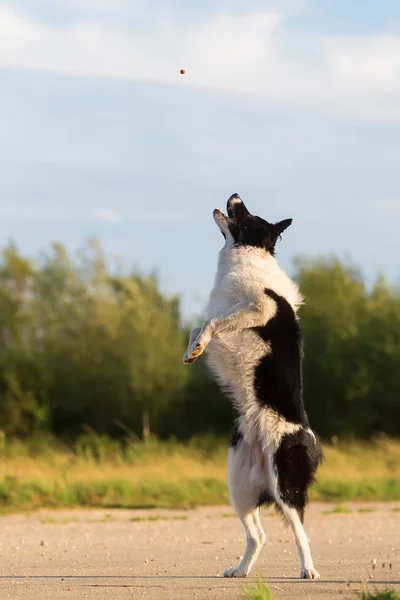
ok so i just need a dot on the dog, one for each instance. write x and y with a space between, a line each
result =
254 348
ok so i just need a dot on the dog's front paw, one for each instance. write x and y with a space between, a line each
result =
235 572
309 574
193 353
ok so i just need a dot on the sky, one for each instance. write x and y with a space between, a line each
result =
293 104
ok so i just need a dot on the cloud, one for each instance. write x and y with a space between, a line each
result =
254 56
106 215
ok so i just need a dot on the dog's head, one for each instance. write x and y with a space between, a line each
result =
242 228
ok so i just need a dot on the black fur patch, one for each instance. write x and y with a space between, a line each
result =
255 232
236 436
265 498
296 462
278 376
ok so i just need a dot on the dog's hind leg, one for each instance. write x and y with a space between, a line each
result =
292 516
295 462
245 495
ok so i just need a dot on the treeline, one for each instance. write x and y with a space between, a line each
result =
84 348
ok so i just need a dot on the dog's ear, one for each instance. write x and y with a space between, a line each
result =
237 210
282 225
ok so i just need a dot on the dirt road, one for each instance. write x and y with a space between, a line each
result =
158 554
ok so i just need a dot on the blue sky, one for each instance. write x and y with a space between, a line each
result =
295 104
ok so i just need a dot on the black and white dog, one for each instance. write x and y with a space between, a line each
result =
254 347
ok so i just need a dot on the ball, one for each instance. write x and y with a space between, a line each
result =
182 71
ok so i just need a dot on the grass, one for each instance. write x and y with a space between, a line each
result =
157 518
337 510
260 592
263 592
51 521
385 595
98 472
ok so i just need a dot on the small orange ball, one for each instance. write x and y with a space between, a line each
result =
182 71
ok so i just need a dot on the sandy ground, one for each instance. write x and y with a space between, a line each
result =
122 554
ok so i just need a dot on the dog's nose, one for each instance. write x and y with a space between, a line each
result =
217 213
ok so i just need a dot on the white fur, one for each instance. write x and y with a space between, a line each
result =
244 478
307 566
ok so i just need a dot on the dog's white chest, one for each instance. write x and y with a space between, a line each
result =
242 277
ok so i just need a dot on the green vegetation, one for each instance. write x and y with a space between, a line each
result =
94 396
263 592
352 349
337 510
100 472
82 348
385 595
367 490
260 592
157 518
89 347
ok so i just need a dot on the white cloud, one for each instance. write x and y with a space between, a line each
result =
106 215
252 55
